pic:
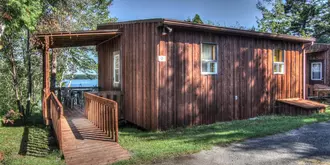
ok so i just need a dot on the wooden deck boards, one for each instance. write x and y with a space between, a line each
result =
85 144
306 104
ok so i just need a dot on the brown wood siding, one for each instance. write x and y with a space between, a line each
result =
245 70
105 63
321 55
139 71
174 93
318 53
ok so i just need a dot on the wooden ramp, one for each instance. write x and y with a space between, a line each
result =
85 144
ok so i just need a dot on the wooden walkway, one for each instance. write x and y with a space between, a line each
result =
85 144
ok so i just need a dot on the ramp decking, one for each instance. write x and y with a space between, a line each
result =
85 144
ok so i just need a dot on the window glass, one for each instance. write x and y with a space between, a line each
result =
279 56
116 68
278 61
209 58
316 70
209 52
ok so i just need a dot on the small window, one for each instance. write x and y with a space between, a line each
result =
209 59
316 68
278 61
116 68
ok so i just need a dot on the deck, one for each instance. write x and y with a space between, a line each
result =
85 144
297 106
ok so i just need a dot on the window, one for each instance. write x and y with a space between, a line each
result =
316 70
209 59
278 61
116 68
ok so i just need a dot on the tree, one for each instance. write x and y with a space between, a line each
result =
273 20
22 16
17 15
74 15
295 17
197 19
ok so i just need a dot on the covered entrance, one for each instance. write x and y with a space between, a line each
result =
88 134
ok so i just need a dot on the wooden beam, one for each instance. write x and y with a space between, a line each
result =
46 83
80 33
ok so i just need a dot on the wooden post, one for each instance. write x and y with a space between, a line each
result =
46 85
116 122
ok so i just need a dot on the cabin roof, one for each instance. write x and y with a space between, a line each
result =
318 47
215 29
78 38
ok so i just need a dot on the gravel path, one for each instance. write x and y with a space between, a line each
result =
306 145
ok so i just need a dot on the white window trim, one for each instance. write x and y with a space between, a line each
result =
320 70
280 63
214 61
116 54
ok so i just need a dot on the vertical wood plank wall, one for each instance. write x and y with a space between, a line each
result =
245 70
105 63
319 55
162 95
138 44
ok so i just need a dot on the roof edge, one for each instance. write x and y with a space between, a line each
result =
61 33
228 30
161 20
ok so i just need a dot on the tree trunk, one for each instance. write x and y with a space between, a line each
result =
28 103
15 81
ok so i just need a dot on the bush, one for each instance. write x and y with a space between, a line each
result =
11 117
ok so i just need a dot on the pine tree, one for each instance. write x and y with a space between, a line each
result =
197 19
296 17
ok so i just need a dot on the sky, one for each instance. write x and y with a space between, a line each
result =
221 12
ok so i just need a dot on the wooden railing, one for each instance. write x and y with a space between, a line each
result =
116 96
56 116
103 113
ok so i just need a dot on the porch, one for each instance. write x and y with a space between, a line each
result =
85 122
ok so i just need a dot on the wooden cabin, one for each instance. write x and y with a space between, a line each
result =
161 74
172 73
175 73
317 68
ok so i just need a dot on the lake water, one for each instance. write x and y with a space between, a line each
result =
81 83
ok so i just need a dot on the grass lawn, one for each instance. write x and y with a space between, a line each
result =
150 146
30 145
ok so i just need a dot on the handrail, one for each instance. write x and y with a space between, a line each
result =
103 113
56 115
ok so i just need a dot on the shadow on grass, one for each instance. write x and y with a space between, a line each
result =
37 139
23 146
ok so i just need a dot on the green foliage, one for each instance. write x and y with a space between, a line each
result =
75 15
273 20
149 146
197 19
19 16
294 17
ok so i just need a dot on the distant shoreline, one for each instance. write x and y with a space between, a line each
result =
81 76
81 82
